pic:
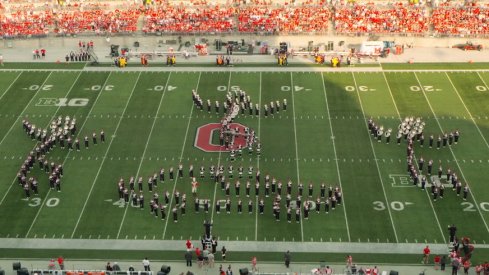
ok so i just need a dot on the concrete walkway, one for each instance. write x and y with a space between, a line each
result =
179 267
158 245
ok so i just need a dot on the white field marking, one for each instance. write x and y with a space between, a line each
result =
218 163
181 155
10 86
258 158
428 195
296 149
105 155
376 163
25 108
467 109
83 125
144 151
453 155
335 156
57 110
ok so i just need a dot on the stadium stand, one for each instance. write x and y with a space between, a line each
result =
34 19
451 19
284 19
369 18
167 18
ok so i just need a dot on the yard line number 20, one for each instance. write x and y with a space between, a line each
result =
470 207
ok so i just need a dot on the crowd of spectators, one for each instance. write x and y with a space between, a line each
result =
372 18
256 16
184 19
283 19
97 21
461 20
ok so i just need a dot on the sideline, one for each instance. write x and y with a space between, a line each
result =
324 247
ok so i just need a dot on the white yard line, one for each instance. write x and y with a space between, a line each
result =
376 163
335 155
258 158
426 191
15 123
181 155
218 163
64 161
144 152
482 79
451 151
296 148
467 109
104 158
10 86
26 106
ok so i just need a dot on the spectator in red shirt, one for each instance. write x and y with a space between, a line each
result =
188 244
61 263
426 254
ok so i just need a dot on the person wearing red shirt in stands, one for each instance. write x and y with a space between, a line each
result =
426 255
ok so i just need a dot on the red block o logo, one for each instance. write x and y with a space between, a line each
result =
203 137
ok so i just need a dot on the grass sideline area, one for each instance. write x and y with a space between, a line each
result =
436 66
150 123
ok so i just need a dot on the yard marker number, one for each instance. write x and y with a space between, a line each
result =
296 88
469 207
224 88
360 88
395 205
160 88
51 202
425 88
42 87
481 88
98 87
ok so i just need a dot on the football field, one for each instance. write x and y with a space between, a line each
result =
151 123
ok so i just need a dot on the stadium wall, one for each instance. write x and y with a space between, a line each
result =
150 43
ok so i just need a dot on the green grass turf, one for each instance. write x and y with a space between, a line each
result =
44 65
436 66
150 123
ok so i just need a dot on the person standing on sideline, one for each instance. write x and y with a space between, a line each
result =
253 264
452 230
349 261
287 258
61 263
223 253
426 255
188 257
466 267
455 266
146 264
443 262
1 60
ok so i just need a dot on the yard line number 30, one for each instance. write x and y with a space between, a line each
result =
51 202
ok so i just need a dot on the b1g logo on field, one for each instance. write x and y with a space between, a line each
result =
63 102
203 137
